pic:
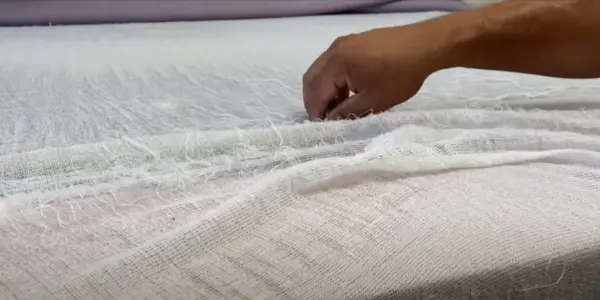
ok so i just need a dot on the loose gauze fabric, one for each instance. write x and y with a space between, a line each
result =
139 163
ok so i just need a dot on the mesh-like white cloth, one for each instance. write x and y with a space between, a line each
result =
172 162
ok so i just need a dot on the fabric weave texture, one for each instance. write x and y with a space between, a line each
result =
139 163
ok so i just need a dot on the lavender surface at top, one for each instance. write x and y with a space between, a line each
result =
44 12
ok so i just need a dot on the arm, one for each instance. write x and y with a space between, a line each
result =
387 66
557 38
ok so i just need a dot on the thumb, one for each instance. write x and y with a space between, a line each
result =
356 106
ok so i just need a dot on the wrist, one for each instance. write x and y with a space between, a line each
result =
448 40
517 36
472 39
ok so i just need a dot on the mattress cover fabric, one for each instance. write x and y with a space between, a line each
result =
172 161
42 12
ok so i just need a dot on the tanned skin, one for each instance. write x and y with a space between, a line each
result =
385 67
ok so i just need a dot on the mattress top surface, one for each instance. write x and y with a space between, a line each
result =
85 84
175 160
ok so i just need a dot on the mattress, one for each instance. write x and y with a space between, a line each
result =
44 12
174 161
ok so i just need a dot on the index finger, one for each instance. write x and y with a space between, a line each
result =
321 86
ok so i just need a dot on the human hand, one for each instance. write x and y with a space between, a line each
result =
382 67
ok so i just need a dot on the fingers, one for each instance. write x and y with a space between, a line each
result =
324 85
311 90
342 94
322 91
356 106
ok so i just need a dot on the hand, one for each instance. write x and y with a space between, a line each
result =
382 67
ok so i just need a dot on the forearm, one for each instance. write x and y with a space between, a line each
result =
557 38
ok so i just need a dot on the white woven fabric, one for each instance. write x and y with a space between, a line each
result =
172 161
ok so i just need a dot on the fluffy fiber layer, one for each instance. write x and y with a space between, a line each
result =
137 162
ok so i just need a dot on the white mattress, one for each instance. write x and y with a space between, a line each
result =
172 161
63 86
